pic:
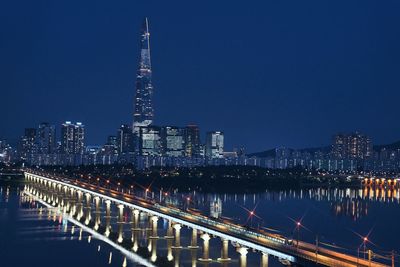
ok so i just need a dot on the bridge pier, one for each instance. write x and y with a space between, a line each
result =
120 223
154 228
243 256
206 244
264 259
193 242
177 228
224 251
135 220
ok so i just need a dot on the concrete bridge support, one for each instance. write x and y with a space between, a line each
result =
206 246
193 242
177 228
243 256
135 220
264 259
154 227
224 251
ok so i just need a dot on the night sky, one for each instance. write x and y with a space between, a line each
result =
267 73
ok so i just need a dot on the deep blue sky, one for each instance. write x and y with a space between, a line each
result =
267 73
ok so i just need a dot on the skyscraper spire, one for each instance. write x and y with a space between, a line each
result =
143 110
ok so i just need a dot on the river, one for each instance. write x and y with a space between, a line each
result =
33 235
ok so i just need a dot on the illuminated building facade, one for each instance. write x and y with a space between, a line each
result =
143 108
214 145
72 138
45 139
150 141
173 139
352 146
192 141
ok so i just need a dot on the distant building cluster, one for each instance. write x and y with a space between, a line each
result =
40 146
352 152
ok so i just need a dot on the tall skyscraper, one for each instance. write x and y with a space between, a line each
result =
26 144
192 141
150 141
125 139
46 139
72 138
351 146
143 110
173 139
215 145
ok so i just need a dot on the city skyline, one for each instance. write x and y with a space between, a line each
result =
175 133
290 111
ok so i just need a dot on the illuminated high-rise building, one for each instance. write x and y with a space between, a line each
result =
46 139
26 144
173 139
351 146
143 109
124 139
150 141
215 145
192 141
72 138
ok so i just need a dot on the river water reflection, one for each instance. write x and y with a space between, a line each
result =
33 235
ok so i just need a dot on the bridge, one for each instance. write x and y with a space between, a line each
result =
71 195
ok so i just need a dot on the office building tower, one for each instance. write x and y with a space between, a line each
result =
143 109
125 142
214 145
192 141
79 138
72 138
45 139
173 139
26 144
150 141
360 146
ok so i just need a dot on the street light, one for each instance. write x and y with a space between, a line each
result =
298 225
365 240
